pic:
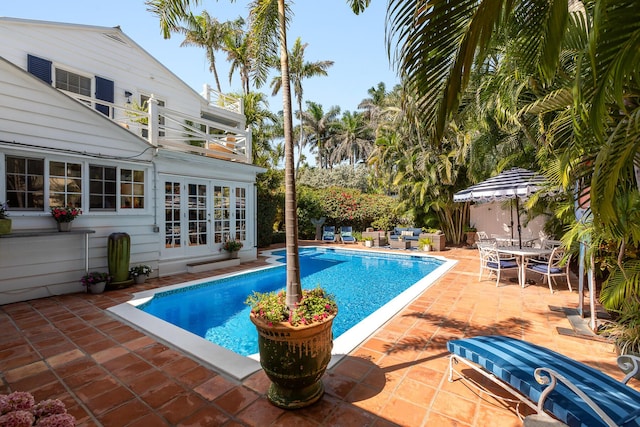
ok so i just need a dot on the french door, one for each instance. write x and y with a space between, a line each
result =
200 215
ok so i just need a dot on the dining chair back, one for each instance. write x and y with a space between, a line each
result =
492 262
557 265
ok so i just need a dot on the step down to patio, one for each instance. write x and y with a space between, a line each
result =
208 265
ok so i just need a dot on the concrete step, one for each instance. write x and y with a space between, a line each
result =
209 265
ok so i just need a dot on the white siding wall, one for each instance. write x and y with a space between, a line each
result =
89 51
39 121
493 218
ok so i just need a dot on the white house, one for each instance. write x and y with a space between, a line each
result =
89 119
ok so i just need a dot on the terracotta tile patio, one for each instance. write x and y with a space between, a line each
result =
109 374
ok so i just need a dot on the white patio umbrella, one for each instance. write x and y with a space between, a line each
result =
514 184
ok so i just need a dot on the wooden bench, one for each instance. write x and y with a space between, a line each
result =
551 383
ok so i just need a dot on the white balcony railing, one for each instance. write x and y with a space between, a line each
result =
221 100
177 131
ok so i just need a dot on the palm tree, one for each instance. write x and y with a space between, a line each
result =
239 55
373 107
298 71
318 126
263 125
268 18
210 34
352 139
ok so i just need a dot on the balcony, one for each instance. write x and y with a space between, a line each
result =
176 131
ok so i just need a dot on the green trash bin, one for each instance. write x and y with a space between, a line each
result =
118 256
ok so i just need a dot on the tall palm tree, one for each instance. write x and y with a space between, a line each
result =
318 127
209 33
238 51
268 23
352 139
299 69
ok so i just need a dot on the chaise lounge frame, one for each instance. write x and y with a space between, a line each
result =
559 390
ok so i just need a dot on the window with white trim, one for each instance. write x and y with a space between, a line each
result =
24 183
72 82
65 184
102 188
131 189
25 180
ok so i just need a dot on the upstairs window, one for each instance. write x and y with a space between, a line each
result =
71 82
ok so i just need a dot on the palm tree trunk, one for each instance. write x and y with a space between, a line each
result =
301 136
213 69
293 286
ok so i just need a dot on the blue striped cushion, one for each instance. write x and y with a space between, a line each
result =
513 361
503 264
543 269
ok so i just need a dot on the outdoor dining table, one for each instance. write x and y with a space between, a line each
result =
522 254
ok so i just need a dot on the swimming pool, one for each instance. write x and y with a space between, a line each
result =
368 285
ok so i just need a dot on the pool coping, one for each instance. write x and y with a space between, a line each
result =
240 367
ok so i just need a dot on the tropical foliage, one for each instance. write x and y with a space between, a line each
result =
486 85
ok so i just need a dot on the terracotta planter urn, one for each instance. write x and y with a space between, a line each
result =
294 358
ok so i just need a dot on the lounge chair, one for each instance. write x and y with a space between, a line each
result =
551 383
329 234
346 234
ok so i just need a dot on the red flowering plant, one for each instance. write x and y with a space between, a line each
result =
316 306
19 409
65 214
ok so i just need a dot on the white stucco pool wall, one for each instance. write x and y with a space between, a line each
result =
239 367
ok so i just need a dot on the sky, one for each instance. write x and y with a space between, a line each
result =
356 43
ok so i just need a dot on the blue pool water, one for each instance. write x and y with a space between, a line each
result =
362 282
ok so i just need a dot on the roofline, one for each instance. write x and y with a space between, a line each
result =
97 28
63 96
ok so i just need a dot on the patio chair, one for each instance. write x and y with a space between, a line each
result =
481 235
550 383
556 265
329 234
346 234
491 261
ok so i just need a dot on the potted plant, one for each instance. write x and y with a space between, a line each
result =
5 221
424 243
64 216
95 281
139 273
368 241
625 329
295 344
470 231
232 246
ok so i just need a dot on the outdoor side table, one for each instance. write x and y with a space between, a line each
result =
399 244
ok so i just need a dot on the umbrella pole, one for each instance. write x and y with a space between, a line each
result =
519 228
511 211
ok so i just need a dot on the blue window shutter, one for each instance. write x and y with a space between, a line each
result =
104 91
41 68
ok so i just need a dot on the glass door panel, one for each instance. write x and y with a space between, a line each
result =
197 213
172 214
221 213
